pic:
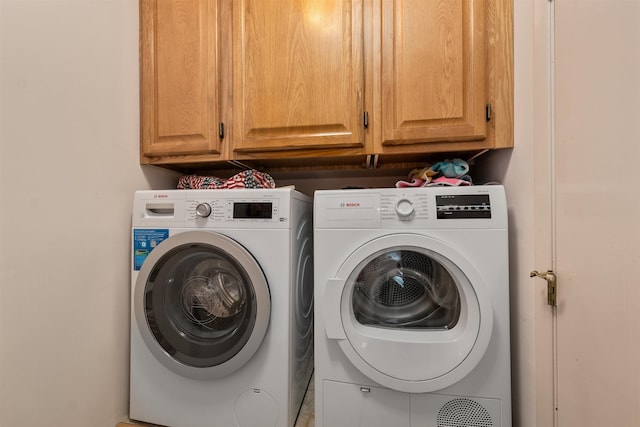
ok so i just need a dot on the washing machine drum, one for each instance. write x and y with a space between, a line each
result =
409 312
213 290
202 304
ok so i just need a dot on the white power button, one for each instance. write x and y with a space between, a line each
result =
404 208
203 210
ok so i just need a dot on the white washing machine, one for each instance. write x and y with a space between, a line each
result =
222 307
412 308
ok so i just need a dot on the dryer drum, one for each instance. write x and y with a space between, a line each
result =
406 289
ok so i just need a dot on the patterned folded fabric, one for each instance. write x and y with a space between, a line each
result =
250 178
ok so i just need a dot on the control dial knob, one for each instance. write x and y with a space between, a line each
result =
404 208
203 210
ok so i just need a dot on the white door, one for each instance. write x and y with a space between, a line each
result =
409 312
595 194
202 304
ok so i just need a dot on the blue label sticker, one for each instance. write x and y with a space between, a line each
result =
144 241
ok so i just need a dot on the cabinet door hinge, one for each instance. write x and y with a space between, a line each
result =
221 130
488 112
366 119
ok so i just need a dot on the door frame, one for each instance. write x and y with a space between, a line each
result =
544 209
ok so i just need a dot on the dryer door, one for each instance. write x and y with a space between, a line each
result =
202 304
409 312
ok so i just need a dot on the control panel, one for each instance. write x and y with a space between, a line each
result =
233 210
403 207
202 209
406 208
453 206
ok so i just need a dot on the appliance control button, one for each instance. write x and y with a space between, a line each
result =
203 210
404 208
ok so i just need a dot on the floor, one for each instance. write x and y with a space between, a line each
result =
306 417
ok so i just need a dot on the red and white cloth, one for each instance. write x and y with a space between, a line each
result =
250 178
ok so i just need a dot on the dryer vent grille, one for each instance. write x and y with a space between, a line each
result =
464 413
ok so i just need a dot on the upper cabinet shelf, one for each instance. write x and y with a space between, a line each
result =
274 83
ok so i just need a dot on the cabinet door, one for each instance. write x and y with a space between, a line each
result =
179 70
433 71
298 81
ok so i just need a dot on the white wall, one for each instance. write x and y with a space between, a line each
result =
68 167
69 135
514 168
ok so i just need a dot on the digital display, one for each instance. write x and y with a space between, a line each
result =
252 210
463 206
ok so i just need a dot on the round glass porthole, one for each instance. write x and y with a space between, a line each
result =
405 289
200 305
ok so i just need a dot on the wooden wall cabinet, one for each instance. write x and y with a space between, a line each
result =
446 75
298 81
180 68
276 83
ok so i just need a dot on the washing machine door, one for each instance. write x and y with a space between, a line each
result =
409 312
202 304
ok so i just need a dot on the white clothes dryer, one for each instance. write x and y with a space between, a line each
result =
222 307
412 307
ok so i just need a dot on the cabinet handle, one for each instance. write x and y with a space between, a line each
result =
366 119
221 130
